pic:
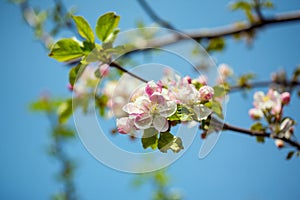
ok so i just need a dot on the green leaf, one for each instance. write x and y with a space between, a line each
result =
63 131
101 102
257 127
241 5
41 105
267 4
64 111
75 73
290 155
244 80
260 139
149 138
106 24
216 44
217 108
167 141
296 74
84 29
66 50
219 91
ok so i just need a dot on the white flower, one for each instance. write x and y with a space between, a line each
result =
272 101
153 110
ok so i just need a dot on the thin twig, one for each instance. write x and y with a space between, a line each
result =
259 84
257 9
226 126
154 16
119 67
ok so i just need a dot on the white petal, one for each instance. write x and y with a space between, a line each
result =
167 109
132 108
258 96
160 123
202 111
143 121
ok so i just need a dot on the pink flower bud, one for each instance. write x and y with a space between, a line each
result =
152 87
206 93
70 87
189 80
285 97
255 113
104 70
279 143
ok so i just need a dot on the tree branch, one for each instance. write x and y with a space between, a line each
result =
222 31
151 13
258 84
252 133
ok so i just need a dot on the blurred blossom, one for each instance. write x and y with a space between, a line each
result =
104 70
255 113
225 71
279 143
285 97
86 82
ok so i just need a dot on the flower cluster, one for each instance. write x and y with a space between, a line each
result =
270 107
155 103
270 103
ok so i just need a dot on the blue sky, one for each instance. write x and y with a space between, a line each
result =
237 168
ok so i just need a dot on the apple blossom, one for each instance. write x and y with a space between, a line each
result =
183 92
153 110
119 94
270 101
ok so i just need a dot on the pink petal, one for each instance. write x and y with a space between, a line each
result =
157 98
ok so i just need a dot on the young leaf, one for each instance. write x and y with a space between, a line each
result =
217 108
216 44
66 50
75 73
150 138
84 29
219 91
64 111
257 127
106 24
167 141
260 139
290 155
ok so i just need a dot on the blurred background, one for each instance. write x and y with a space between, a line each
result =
237 168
